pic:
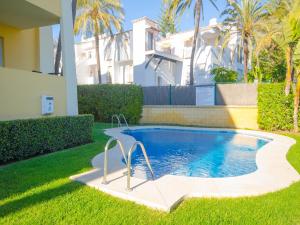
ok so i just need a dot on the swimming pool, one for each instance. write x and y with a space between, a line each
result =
193 162
195 153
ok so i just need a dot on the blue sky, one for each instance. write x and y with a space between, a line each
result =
151 8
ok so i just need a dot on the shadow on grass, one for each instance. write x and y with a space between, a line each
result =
22 176
37 198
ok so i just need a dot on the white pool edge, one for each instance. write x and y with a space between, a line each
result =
273 173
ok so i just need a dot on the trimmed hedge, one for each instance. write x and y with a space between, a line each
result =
105 100
275 110
21 139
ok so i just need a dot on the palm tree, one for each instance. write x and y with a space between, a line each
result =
58 49
98 17
294 21
167 22
179 7
297 89
282 16
244 19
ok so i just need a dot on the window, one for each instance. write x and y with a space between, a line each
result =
89 54
1 52
92 71
108 78
130 74
107 54
240 55
150 41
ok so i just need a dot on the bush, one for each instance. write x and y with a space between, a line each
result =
275 110
272 65
223 75
21 139
107 99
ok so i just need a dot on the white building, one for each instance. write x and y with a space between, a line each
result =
141 56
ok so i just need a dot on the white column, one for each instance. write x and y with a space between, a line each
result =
46 50
68 56
139 50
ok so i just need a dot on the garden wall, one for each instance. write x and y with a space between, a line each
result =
225 94
236 94
212 116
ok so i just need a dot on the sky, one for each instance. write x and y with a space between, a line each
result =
151 8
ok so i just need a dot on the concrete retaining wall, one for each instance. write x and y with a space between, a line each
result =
243 117
236 94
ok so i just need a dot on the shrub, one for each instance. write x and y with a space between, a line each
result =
21 139
275 110
223 75
272 65
107 99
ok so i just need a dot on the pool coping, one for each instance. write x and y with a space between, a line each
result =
273 173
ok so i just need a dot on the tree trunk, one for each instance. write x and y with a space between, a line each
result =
98 57
288 76
246 57
196 32
296 103
58 50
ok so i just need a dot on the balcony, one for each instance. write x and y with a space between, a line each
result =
25 14
21 93
27 45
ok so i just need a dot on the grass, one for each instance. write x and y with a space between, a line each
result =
38 191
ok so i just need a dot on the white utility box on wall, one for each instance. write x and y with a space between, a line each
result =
47 105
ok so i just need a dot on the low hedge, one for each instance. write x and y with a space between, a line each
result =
21 139
275 110
107 99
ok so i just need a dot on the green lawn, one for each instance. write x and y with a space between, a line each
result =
38 191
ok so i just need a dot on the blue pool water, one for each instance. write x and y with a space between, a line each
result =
196 153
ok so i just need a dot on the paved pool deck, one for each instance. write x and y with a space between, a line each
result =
274 173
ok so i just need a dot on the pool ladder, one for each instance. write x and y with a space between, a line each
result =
127 160
119 118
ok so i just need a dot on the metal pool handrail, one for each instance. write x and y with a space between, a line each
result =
132 149
104 181
112 120
121 116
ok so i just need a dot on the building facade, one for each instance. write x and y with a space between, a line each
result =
27 62
141 56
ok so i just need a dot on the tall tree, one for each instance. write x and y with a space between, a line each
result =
98 17
282 17
179 7
243 18
167 21
294 21
297 88
58 49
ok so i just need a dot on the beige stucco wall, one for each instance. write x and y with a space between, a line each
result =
244 117
21 91
21 48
